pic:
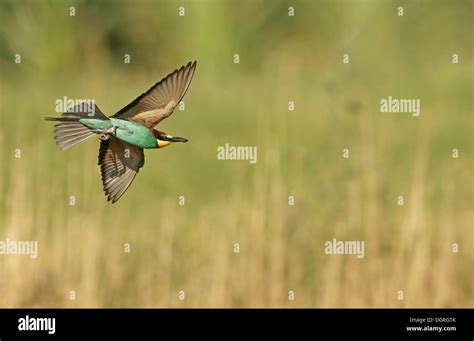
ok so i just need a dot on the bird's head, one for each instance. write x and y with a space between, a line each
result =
164 139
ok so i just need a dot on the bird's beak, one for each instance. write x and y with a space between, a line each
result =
162 144
165 140
173 138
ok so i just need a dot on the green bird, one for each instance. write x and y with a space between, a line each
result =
125 134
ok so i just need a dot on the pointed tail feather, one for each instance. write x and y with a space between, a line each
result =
70 131
76 113
68 134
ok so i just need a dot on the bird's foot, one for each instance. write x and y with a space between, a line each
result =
107 133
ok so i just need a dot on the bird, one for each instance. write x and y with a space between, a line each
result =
124 135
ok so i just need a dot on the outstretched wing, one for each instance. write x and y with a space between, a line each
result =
160 100
119 163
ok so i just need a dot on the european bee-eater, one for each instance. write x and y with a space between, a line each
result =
125 134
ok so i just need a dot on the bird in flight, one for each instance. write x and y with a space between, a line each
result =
125 134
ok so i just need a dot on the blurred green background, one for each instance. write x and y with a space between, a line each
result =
190 248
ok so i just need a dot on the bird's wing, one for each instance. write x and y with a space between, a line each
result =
159 101
119 163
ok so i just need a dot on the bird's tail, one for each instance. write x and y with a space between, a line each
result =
70 131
